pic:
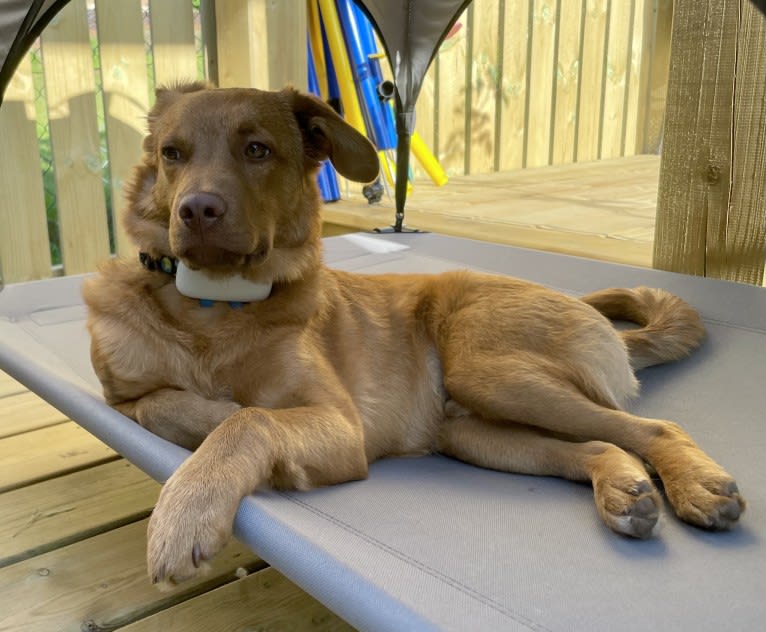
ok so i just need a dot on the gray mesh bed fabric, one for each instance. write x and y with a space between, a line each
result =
431 543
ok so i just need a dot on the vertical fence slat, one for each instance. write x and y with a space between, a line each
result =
261 43
24 250
126 97
484 84
452 93
541 62
658 61
638 86
172 26
425 112
234 61
71 89
589 120
512 133
616 79
279 36
567 78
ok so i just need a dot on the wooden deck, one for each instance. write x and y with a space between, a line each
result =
603 210
73 513
73 518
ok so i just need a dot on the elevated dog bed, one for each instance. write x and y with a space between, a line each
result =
431 543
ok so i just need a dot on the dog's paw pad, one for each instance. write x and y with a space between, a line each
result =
712 506
641 519
703 494
631 508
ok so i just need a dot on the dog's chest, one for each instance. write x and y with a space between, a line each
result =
233 359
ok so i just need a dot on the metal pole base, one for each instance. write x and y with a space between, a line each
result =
393 229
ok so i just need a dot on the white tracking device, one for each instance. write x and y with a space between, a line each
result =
196 284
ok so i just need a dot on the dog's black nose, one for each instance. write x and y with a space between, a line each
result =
201 210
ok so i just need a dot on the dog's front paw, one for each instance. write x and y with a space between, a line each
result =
190 524
702 493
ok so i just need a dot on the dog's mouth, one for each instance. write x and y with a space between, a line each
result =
216 258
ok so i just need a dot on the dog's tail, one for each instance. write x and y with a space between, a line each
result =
669 328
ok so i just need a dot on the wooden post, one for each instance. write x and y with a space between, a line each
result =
24 250
261 43
711 209
746 218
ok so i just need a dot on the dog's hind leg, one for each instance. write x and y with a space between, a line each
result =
501 388
625 497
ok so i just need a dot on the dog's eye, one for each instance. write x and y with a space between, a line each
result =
257 151
171 153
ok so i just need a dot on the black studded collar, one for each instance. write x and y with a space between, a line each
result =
168 265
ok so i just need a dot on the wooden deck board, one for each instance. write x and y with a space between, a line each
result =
73 519
24 411
66 509
100 584
48 452
604 210
265 600
9 386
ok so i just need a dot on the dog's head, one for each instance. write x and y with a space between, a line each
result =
228 179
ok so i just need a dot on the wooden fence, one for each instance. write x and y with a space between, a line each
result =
519 83
528 83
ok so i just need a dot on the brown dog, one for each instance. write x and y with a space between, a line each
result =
285 391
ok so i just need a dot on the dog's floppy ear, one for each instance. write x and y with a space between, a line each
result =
327 135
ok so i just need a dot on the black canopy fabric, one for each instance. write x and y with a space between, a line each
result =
21 21
411 32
